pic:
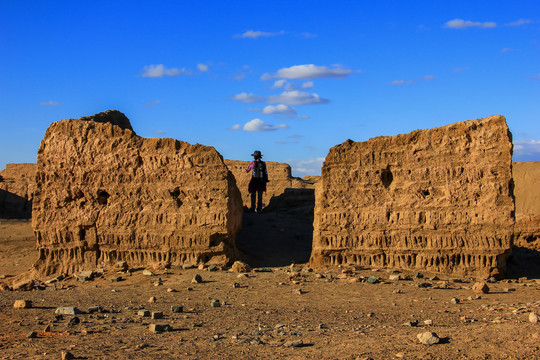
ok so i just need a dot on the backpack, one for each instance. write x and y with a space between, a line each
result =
259 172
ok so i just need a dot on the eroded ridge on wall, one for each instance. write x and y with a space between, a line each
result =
105 194
438 199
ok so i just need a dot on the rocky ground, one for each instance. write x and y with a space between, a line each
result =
277 312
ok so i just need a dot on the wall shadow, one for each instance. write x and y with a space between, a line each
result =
523 262
282 233
13 206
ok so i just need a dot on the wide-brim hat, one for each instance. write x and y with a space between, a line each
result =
256 153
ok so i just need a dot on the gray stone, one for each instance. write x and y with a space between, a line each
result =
67 310
159 328
197 279
372 279
454 301
31 335
177 308
157 315
73 321
143 313
121 265
212 268
293 343
418 275
215 303
188 266
85 276
428 338
394 277
147 272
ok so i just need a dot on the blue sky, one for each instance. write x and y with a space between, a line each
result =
290 78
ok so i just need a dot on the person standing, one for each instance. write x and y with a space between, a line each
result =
257 184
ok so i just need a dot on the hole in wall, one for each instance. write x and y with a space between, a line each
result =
386 177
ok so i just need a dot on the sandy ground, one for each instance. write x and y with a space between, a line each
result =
333 316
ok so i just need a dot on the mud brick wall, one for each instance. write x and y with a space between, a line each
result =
17 184
438 199
104 194
527 192
279 175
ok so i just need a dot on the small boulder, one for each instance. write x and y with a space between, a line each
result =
197 279
22 304
428 338
480 288
67 310
160 265
240 267
147 272
152 299
533 317
4 287
372 279
159 328
121 266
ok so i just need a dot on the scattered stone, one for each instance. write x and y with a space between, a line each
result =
424 285
197 279
147 272
428 322
152 299
240 267
117 278
293 343
215 303
157 315
397 291
23 285
480 288
212 268
160 265
177 308
188 266
412 323
201 267
372 279
121 265
143 313
31 335
68 310
66 355
47 329
262 269
73 321
242 276
159 328
533 317
454 301
85 276
418 275
509 289
428 338
4 287
298 291
236 285
95 309
22 304
394 277
170 290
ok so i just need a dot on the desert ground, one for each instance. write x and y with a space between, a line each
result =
281 310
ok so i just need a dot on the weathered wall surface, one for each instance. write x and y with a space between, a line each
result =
437 199
279 175
105 194
527 193
17 185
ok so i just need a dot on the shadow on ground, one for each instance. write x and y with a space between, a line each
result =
282 233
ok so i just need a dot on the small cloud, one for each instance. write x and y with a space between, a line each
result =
153 103
535 77
296 98
236 127
505 50
50 103
527 150
278 109
520 22
250 34
160 132
247 98
282 142
295 136
307 85
309 71
257 125
202 67
464 24
159 71
307 35
429 77
402 82
461 69
307 166
302 117
279 84
309 147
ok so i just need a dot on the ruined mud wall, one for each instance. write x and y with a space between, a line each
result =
527 193
105 194
17 185
279 175
438 199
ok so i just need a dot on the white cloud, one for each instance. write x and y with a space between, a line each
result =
307 35
464 24
302 117
247 98
202 67
159 71
535 77
461 69
153 103
402 82
250 34
236 127
296 98
279 84
50 103
308 72
506 50
160 132
308 85
257 125
429 77
286 98
520 22
527 147
278 109
306 166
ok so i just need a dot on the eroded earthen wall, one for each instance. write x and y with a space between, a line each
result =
527 192
17 185
279 175
438 199
105 194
